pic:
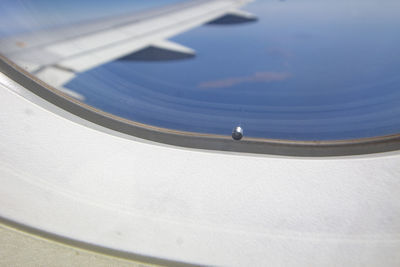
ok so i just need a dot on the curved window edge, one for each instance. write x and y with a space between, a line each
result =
104 251
194 140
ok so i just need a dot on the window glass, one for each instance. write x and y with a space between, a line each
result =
303 70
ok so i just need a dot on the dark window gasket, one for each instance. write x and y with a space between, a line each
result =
196 140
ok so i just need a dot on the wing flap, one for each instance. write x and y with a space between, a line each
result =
57 76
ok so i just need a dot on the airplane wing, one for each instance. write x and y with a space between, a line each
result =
56 56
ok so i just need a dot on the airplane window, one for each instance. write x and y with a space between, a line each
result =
288 70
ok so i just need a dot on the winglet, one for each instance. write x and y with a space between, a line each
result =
234 17
161 51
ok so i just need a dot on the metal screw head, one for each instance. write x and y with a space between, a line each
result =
237 133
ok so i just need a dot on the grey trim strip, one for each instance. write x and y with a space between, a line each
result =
196 140
93 248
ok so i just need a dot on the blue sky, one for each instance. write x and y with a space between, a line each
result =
307 70
29 15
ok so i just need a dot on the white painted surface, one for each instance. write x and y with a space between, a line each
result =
66 176
172 46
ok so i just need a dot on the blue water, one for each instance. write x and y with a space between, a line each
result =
307 70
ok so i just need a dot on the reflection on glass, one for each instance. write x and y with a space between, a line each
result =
296 72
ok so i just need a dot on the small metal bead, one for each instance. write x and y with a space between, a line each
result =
237 133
